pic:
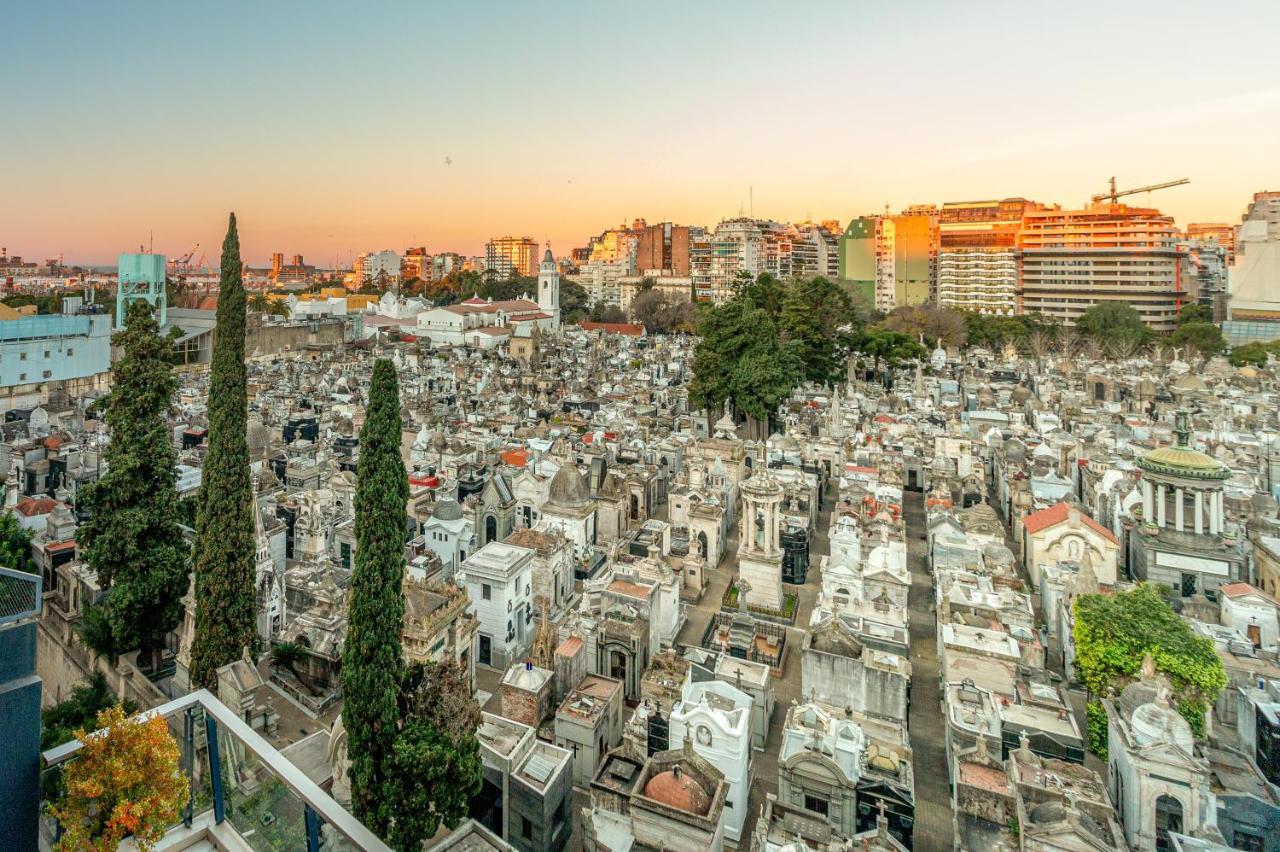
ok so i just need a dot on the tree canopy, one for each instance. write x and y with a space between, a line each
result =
226 605
133 539
1114 632
372 659
436 766
15 543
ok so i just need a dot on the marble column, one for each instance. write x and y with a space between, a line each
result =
1160 506
1199 512
1178 510
1148 503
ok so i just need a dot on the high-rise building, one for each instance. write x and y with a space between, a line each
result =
277 263
663 249
857 257
511 255
978 255
377 266
1220 232
915 255
1107 252
735 247
1253 310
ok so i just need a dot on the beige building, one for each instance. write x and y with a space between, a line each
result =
1074 259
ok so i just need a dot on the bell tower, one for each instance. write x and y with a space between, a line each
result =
549 287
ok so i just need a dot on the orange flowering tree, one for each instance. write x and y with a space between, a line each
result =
123 782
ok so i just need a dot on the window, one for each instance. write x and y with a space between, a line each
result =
70 351
47 353
526 828
816 805
486 591
22 377
48 373
22 356
1247 841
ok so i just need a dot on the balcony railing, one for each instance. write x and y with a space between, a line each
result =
244 793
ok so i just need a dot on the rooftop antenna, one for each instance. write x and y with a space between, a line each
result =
151 242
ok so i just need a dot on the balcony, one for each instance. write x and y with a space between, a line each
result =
245 795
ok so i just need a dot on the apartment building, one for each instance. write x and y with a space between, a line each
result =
736 245
1254 307
1073 259
663 249
508 255
978 255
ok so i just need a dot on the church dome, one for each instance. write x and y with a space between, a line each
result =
1183 461
679 790
568 488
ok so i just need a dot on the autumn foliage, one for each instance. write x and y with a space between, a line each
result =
123 782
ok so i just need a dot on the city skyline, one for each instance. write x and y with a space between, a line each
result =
332 134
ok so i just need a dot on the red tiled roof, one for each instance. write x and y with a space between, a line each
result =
516 458
1058 514
32 506
631 329
569 647
1235 590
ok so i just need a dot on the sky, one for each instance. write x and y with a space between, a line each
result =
333 128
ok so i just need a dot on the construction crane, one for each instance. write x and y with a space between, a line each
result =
183 264
1112 195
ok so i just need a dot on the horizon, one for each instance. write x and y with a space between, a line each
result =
332 131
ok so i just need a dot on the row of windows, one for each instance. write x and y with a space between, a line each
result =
22 356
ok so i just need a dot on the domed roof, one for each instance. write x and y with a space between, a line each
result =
568 488
678 790
1157 721
1181 459
447 509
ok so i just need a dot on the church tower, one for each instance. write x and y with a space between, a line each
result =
549 287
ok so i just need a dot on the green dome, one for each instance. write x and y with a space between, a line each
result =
1181 460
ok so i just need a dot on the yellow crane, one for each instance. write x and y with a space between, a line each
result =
1112 195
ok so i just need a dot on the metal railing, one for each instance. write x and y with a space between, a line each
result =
245 781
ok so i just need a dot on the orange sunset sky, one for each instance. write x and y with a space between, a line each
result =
327 127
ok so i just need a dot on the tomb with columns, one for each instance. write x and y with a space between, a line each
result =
1185 540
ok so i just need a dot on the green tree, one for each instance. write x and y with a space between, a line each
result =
226 606
436 767
1195 313
600 312
814 314
1204 337
726 333
764 291
133 539
1111 321
80 709
1251 353
15 543
573 300
660 312
371 659
1114 632
94 630
888 347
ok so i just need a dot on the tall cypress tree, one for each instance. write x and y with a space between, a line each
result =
226 607
132 538
372 662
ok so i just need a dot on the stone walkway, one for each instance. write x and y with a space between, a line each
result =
934 827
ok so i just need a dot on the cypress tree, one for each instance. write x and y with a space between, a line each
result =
132 538
226 606
372 661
